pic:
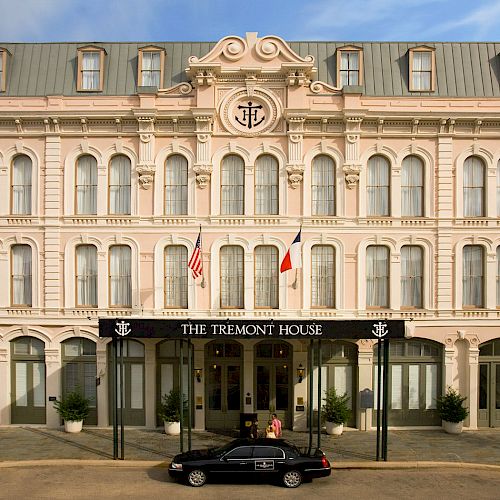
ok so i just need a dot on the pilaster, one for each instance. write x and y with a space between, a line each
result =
53 385
146 166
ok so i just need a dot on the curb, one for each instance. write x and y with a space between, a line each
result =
335 466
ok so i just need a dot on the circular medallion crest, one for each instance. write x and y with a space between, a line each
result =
250 113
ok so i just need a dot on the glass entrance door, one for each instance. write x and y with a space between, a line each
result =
489 395
272 382
28 381
223 385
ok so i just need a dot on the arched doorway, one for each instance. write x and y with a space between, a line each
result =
79 371
28 381
133 361
489 384
273 381
223 386
415 374
168 363
339 363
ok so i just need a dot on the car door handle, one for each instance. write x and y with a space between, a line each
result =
243 463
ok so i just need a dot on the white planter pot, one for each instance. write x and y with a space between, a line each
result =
452 427
334 429
172 428
73 426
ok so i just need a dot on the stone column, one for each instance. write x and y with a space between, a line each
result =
6 384
52 385
150 384
365 381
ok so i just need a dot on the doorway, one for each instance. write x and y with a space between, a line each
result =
28 381
489 384
133 381
223 394
273 381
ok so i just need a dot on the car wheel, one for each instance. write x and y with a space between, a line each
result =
292 479
197 478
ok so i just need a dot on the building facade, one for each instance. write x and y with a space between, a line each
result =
386 155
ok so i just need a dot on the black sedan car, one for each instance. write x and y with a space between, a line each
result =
266 458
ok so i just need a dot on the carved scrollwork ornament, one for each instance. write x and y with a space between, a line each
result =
352 138
295 138
146 175
203 175
295 175
145 138
351 173
203 137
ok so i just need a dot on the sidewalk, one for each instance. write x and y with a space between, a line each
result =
406 448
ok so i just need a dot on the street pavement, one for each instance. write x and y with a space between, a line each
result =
354 449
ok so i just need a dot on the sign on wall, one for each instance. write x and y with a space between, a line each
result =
251 329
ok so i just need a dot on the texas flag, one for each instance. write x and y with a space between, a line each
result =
293 258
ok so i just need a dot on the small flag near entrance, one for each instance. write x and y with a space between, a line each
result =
293 258
195 262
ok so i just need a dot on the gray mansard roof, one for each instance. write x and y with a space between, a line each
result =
462 69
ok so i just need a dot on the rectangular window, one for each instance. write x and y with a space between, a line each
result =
323 276
421 65
377 276
176 185
231 277
266 185
176 277
472 276
120 278
3 61
90 69
119 185
21 275
266 277
21 185
349 67
411 276
86 275
323 186
232 186
151 68
86 185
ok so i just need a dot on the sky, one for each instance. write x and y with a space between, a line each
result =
210 20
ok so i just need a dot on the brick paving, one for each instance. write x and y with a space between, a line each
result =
30 443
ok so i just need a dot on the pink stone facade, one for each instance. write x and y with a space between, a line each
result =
304 119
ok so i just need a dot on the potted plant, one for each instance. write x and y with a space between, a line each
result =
170 411
452 411
73 408
335 411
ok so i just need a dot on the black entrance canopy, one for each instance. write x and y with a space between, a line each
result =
249 328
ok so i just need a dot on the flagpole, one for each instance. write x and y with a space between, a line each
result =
294 284
202 271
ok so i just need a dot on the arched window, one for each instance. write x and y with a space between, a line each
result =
377 276
266 277
86 275
474 187
176 185
498 276
120 276
86 185
21 185
412 187
411 276
323 276
176 276
119 185
21 275
232 186
378 186
323 186
231 277
498 188
473 276
266 185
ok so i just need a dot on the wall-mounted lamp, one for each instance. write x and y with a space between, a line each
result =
197 374
300 373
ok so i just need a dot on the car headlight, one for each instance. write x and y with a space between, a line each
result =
173 465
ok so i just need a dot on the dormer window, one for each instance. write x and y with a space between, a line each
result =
422 69
349 66
151 63
90 69
3 65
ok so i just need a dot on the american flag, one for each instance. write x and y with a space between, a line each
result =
195 262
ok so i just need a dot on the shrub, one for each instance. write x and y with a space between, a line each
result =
450 406
170 406
336 407
73 407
